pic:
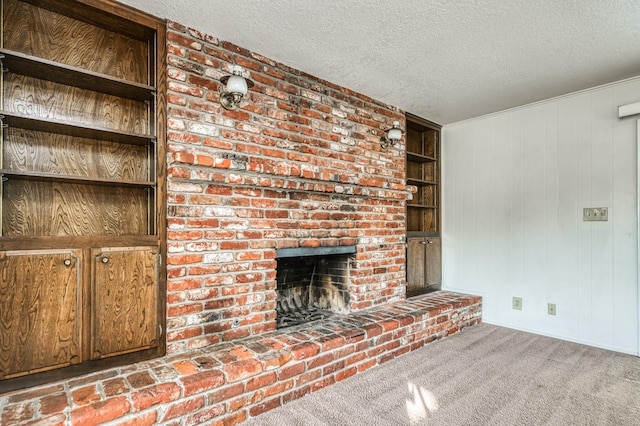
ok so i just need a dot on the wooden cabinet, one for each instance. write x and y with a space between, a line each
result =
424 270
82 165
423 211
423 171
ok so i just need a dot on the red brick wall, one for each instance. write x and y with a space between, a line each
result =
298 165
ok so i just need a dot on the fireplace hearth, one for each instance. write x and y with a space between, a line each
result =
312 284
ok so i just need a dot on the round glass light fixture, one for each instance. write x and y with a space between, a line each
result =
393 135
236 88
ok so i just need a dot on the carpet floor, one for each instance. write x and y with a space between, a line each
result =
484 375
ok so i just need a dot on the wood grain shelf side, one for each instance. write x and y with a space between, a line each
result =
420 182
33 66
72 179
73 129
418 158
421 206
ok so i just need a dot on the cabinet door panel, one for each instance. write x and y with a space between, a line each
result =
433 262
125 298
39 309
415 264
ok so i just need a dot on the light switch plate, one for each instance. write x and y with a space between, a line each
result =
595 213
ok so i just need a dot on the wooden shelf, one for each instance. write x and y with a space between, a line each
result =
419 158
33 66
73 129
103 16
422 234
423 256
419 182
78 241
421 206
72 179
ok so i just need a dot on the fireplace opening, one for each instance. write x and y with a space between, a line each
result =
312 284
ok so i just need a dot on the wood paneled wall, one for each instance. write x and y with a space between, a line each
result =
515 185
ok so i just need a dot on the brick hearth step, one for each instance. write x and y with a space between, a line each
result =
227 383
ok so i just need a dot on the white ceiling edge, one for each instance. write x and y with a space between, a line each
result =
548 100
442 60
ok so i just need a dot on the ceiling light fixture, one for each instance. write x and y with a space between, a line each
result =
392 135
237 87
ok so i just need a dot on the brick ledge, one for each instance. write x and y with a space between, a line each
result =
227 383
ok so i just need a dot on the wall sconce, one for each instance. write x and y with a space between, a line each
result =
237 87
392 135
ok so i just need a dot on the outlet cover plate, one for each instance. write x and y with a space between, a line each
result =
517 303
551 308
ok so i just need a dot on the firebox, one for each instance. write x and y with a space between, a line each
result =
312 283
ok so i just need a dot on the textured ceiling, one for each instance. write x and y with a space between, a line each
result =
443 60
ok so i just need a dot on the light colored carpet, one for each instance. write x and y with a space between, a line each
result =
485 375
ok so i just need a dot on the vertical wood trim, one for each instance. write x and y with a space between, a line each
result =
2 108
87 304
161 181
551 164
584 240
448 197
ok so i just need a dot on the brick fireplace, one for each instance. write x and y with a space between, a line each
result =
294 184
298 166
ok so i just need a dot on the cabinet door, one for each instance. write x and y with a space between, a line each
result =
125 300
39 309
415 263
433 276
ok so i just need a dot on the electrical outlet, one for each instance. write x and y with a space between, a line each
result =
551 308
517 303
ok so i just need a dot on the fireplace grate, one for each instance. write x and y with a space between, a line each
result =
301 316
294 311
